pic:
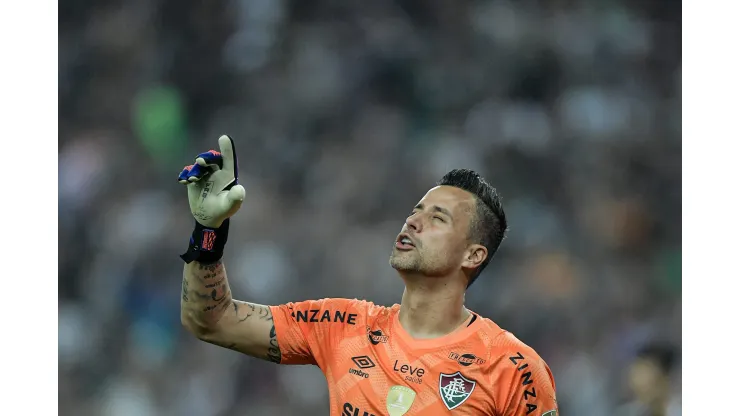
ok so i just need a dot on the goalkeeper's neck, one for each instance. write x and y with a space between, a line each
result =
433 307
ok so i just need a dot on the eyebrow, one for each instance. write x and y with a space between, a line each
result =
435 208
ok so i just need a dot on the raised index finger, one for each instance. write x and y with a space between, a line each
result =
226 144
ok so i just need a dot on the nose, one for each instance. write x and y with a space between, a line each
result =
414 223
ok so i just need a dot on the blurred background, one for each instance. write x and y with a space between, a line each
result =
344 114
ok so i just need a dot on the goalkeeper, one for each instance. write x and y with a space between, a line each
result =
427 356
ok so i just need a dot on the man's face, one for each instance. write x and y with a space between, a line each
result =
438 232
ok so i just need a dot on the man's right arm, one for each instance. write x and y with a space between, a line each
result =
209 312
207 308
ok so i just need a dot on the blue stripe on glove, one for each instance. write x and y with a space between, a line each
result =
205 163
210 158
193 173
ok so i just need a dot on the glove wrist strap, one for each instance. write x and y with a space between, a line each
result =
207 243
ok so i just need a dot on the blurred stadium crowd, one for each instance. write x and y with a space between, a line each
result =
344 113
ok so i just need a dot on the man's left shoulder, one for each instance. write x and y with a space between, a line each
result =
508 350
507 341
522 381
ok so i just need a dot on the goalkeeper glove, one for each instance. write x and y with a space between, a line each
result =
214 195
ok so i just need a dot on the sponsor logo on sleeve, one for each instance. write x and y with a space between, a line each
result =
527 382
318 315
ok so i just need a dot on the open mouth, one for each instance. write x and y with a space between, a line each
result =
404 242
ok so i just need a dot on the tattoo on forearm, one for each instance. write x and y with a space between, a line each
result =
185 290
208 299
214 295
221 302
212 270
217 284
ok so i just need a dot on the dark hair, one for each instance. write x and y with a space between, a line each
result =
488 227
663 355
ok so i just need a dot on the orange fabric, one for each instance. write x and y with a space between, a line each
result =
364 351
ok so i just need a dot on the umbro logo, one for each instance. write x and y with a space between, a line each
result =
363 362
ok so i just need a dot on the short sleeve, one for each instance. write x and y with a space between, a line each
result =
307 331
526 386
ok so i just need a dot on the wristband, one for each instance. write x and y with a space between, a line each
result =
207 244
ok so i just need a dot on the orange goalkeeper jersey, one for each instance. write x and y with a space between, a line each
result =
373 367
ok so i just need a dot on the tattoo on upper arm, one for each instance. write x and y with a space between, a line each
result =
232 346
210 293
250 311
265 313
273 351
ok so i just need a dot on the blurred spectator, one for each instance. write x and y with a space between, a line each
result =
650 384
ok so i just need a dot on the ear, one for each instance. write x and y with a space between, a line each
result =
474 256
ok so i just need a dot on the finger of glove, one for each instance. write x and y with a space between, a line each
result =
210 158
183 177
236 193
226 144
196 173
231 201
